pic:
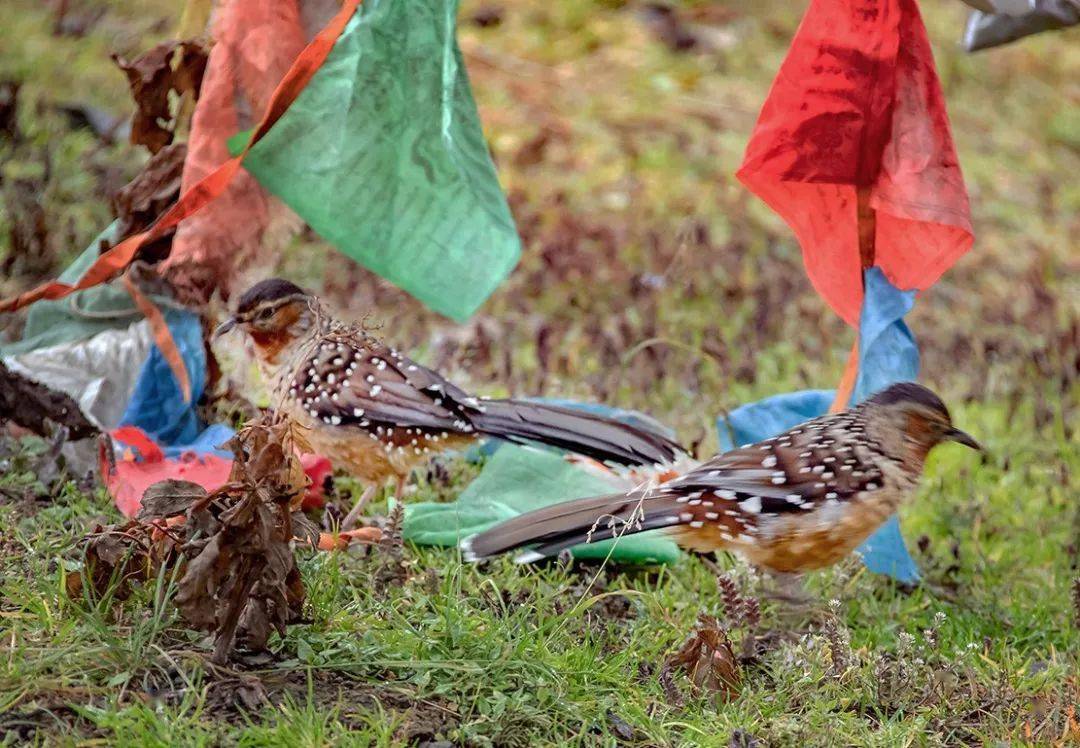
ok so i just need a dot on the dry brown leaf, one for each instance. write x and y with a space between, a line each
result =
139 203
242 577
120 555
168 498
708 659
233 546
169 67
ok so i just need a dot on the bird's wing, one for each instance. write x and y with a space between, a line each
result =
369 383
815 462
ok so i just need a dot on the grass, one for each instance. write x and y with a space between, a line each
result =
657 283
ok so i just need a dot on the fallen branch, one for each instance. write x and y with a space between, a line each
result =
33 406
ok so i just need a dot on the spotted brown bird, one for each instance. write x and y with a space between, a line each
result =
796 502
379 414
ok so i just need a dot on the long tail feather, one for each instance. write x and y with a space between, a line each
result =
592 435
555 528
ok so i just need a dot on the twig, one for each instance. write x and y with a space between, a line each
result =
358 508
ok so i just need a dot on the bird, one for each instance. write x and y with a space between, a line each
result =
378 414
793 503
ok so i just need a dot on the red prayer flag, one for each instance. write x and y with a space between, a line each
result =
857 104
129 477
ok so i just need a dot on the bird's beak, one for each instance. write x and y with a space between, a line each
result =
962 437
224 327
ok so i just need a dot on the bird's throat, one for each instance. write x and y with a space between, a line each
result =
270 346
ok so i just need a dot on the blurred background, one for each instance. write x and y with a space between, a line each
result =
650 277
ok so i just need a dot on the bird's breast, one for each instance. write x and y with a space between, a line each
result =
799 541
375 453
823 536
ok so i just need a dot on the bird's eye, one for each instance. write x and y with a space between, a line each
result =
266 313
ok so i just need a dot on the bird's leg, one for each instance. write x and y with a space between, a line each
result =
789 588
798 608
358 508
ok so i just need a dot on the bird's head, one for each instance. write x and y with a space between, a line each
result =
920 416
277 316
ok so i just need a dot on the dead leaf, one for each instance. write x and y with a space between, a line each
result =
168 498
239 579
169 67
242 579
195 599
117 557
708 659
139 203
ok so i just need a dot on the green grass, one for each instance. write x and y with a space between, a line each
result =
636 179
507 655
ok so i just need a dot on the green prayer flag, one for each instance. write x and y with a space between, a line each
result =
519 479
82 314
383 155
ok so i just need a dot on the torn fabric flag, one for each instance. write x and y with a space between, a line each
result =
857 105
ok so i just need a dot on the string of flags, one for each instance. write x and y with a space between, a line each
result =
369 133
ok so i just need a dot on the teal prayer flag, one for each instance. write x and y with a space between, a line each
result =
517 480
383 155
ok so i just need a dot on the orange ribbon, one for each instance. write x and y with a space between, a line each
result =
867 227
847 380
162 336
116 259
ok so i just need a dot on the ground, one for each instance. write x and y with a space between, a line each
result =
652 280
